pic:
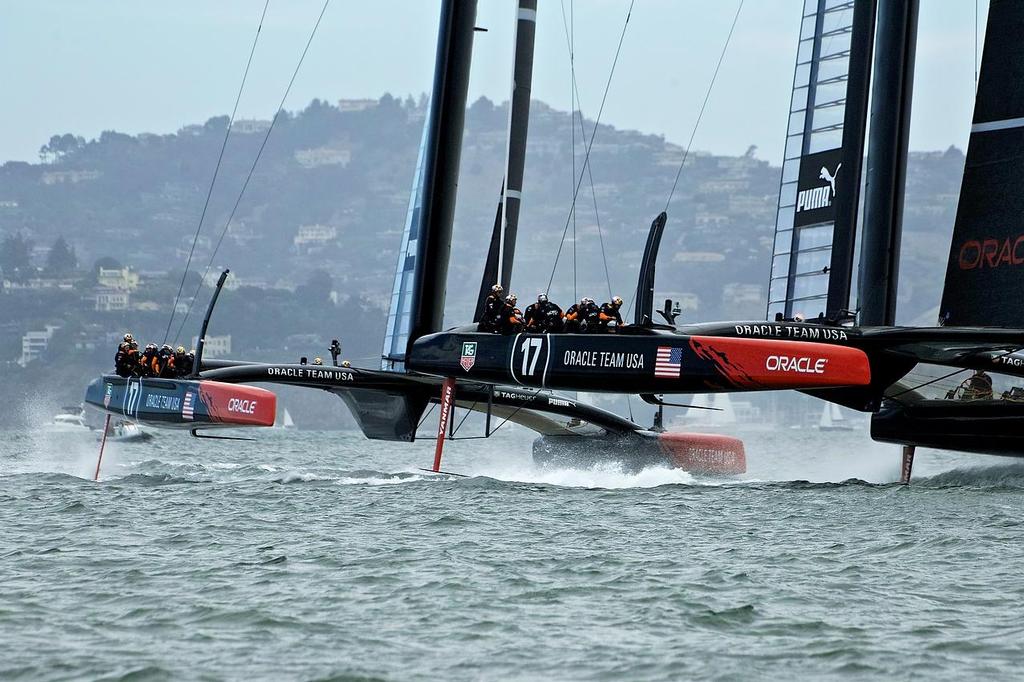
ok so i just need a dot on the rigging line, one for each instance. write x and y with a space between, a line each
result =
252 168
570 41
425 415
590 143
469 411
703 106
572 127
216 171
953 373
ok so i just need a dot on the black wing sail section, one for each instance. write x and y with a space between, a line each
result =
817 213
417 299
506 221
985 271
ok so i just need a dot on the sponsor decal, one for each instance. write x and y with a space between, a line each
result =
608 359
107 394
775 363
816 188
668 362
188 406
310 373
560 403
157 401
242 405
798 364
978 254
447 393
468 358
810 332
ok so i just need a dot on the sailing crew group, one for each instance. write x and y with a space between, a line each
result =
152 361
502 316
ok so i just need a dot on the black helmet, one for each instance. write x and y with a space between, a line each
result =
542 298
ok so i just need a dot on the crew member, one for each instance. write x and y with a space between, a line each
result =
166 359
543 316
318 361
977 387
149 361
511 316
609 313
490 318
573 318
590 316
182 362
127 357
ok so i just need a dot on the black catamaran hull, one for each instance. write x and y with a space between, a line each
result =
699 453
994 427
391 405
640 363
181 403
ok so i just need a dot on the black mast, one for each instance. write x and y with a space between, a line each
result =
511 191
445 119
887 160
855 119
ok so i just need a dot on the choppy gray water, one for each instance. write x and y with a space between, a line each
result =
322 555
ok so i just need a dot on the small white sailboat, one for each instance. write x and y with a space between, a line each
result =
832 419
286 420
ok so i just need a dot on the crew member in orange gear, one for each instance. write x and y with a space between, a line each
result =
511 316
127 357
149 361
610 313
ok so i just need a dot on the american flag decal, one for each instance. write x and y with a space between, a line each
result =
187 407
668 362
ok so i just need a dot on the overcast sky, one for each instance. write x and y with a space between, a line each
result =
84 66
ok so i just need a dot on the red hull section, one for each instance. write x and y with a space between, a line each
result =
769 364
238 405
704 453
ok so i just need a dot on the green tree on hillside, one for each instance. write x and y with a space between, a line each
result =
60 146
62 259
16 257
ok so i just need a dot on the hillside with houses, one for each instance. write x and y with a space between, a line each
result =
94 238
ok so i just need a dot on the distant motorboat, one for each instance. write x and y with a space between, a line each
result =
67 422
127 432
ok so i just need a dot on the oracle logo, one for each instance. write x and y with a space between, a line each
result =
799 365
991 253
242 406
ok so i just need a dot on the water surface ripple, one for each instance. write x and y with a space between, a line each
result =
323 556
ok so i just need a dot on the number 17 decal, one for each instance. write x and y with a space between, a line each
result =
532 360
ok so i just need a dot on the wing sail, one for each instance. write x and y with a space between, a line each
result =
824 139
985 271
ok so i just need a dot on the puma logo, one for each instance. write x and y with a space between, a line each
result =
830 178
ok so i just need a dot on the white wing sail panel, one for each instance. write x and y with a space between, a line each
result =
396 336
812 168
